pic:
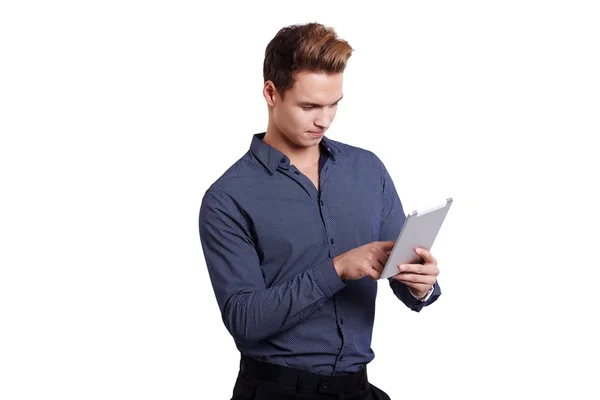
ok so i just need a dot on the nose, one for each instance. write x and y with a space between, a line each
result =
323 120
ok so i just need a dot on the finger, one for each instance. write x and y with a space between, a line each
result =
426 254
378 267
373 274
386 246
381 257
418 287
413 268
415 279
423 269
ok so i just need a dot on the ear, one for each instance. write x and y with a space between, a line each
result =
270 93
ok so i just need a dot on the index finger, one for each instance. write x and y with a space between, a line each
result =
386 246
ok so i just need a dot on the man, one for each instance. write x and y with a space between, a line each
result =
296 233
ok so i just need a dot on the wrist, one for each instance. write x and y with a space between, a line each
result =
421 295
338 268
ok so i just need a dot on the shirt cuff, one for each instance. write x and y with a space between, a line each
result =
327 278
427 296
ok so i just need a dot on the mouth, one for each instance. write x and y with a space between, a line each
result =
317 133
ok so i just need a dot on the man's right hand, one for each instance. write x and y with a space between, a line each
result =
367 260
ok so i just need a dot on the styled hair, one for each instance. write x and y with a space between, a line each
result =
309 47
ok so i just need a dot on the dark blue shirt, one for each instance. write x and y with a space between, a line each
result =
269 237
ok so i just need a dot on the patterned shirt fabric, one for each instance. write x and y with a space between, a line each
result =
269 238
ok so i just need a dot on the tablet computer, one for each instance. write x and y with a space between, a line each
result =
419 230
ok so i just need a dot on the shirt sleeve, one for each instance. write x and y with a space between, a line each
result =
251 311
392 219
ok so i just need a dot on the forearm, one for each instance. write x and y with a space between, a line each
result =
253 310
256 315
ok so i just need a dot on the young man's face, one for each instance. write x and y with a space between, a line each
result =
308 108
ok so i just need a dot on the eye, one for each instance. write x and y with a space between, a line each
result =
307 108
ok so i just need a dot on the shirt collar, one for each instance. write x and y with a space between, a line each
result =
272 158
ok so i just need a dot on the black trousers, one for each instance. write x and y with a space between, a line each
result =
263 381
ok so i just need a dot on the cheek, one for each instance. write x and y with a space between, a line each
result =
293 120
298 120
332 114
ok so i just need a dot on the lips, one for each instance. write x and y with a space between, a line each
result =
318 133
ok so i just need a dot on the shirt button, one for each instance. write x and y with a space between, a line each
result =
332 241
322 203
325 384
342 321
297 172
283 160
342 358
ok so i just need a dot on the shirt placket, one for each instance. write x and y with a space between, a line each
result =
329 226
293 173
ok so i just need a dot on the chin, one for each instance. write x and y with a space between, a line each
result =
306 143
304 140
311 141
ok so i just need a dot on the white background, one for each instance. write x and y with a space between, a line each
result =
116 116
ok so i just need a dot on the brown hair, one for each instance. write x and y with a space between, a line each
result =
310 47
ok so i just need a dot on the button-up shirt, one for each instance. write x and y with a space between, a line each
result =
269 238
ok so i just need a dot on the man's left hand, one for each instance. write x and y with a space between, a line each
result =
419 277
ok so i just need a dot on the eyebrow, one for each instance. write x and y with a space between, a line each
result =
307 103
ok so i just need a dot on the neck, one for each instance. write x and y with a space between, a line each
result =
299 156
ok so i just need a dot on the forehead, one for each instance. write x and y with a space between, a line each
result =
316 87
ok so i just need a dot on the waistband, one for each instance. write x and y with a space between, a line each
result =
302 380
